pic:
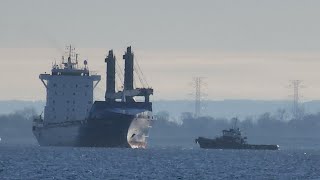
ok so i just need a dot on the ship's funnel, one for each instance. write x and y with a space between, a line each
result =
128 70
111 73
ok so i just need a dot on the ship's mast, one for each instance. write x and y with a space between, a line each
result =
235 122
128 73
71 62
70 51
111 72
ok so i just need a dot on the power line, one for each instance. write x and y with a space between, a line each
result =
296 107
197 83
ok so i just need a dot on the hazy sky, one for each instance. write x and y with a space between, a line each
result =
245 49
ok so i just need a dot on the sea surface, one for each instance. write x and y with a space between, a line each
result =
34 162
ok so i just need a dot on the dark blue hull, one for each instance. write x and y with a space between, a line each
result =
109 122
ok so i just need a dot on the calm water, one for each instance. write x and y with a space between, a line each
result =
32 162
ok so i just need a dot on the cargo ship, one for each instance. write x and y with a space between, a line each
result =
231 139
71 118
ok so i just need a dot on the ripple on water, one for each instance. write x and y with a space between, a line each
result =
33 162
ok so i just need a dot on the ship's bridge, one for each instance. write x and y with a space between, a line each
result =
69 68
70 72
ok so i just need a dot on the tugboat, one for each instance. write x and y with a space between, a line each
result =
231 139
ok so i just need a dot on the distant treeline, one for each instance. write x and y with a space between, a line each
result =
266 125
16 127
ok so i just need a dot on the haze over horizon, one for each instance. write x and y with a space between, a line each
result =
246 50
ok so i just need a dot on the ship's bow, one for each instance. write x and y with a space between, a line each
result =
117 124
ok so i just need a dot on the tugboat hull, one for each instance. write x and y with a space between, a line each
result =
207 143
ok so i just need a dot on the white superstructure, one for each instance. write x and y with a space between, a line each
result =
69 90
69 100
